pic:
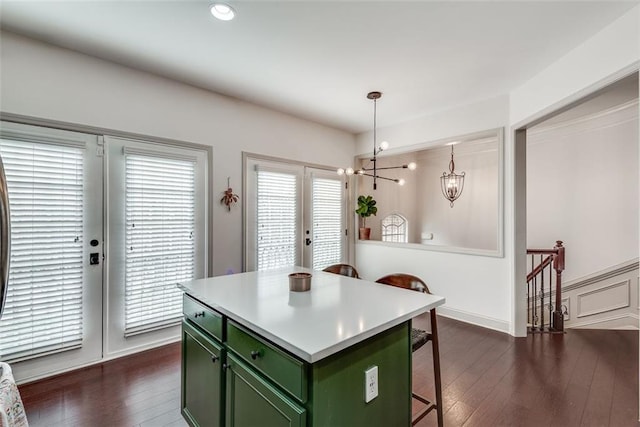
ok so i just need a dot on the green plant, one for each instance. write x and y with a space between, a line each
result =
366 208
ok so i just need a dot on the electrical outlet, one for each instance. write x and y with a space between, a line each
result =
370 384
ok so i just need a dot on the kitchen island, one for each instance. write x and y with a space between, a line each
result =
255 353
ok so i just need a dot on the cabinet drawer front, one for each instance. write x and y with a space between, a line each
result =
202 316
252 401
281 368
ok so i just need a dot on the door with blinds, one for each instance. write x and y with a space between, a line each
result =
157 238
53 316
295 215
325 221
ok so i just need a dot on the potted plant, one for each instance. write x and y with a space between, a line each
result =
366 208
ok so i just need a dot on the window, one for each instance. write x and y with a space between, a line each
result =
328 227
394 229
157 228
277 210
160 250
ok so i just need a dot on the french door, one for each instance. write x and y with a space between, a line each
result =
102 230
53 316
295 215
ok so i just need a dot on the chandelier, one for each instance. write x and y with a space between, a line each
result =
452 183
377 149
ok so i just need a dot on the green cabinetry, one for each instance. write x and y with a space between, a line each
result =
202 378
233 377
252 401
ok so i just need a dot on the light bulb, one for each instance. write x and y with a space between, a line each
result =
340 171
222 11
401 181
412 166
384 145
360 172
349 171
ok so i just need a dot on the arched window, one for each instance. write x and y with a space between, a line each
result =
394 229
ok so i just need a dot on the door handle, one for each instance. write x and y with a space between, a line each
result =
307 241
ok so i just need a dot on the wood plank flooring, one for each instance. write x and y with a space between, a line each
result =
581 378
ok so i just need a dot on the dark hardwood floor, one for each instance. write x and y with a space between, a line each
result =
581 378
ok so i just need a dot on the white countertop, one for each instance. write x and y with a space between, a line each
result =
336 313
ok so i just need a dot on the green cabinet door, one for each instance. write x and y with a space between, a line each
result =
202 379
253 402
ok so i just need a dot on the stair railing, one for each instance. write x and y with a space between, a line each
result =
543 264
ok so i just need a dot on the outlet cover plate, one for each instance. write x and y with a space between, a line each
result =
370 384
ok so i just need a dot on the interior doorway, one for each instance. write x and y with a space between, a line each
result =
596 113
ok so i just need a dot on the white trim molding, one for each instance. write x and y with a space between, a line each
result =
474 319
627 321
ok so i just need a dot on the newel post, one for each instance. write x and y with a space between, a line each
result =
558 265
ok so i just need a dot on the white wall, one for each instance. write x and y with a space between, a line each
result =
476 288
46 82
582 188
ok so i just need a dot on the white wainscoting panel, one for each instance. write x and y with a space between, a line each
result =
607 299
603 299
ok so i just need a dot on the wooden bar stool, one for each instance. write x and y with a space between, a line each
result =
343 269
418 338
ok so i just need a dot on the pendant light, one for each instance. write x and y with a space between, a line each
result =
452 183
377 149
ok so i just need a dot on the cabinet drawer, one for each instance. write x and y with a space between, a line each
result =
202 316
281 368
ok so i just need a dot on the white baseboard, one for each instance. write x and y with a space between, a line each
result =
474 319
112 356
139 348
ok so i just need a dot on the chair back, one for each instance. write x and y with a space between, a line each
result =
343 269
406 281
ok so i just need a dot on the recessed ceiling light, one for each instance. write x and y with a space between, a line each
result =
222 11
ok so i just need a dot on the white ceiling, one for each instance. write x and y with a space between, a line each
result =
318 59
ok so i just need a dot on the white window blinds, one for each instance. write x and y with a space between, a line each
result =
277 213
160 250
44 311
328 228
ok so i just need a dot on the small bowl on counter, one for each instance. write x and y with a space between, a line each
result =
299 282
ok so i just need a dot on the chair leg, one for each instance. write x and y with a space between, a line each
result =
436 367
